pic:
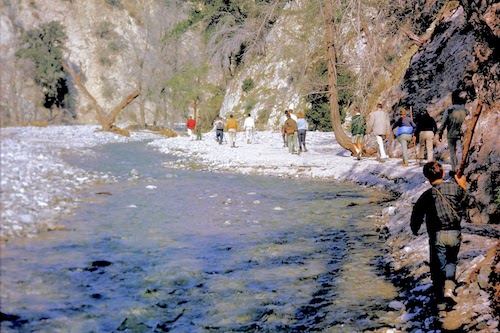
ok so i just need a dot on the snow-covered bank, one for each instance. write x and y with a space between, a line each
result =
37 186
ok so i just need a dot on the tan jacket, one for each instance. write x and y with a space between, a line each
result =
379 123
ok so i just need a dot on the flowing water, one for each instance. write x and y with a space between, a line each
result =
183 251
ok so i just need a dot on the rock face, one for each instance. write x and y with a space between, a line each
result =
462 53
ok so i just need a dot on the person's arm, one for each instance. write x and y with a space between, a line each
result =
388 129
443 124
461 181
418 214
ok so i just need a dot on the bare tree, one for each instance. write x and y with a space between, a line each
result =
105 119
342 138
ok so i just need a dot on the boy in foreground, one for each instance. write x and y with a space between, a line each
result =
443 206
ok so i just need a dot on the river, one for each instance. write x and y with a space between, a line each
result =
164 250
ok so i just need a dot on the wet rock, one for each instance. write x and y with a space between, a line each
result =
396 305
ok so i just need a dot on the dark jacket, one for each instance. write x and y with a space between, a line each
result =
453 118
438 212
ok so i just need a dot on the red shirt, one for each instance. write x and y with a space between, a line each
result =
191 124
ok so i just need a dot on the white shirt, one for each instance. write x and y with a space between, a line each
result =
249 123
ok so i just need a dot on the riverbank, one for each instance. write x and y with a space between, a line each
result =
38 188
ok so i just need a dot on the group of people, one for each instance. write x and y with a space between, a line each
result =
442 207
293 131
231 126
421 131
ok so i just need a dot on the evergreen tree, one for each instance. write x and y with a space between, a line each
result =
43 46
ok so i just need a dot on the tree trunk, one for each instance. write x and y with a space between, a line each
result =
342 138
105 122
116 111
468 140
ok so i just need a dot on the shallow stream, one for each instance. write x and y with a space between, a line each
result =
166 250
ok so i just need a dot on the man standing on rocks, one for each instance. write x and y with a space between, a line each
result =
443 206
380 126
453 118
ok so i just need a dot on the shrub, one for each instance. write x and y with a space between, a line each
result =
247 84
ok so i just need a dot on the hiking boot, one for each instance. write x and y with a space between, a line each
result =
405 164
380 160
305 149
298 152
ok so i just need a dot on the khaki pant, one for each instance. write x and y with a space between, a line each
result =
426 138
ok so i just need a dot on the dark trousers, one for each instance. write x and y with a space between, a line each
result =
219 135
302 139
444 247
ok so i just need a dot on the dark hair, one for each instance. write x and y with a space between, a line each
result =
433 171
456 97
249 114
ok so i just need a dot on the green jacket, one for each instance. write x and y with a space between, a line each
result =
453 118
358 125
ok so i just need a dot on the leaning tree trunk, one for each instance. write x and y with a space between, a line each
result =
342 138
105 121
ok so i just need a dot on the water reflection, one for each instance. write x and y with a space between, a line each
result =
200 252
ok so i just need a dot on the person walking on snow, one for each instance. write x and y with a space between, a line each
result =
358 131
232 127
424 134
198 128
219 130
282 124
290 128
453 118
301 130
404 130
442 206
379 125
191 124
249 126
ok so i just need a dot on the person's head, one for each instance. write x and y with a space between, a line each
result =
458 97
356 110
249 115
433 171
402 112
300 115
290 111
379 106
230 116
286 112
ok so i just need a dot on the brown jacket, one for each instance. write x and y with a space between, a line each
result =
290 126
